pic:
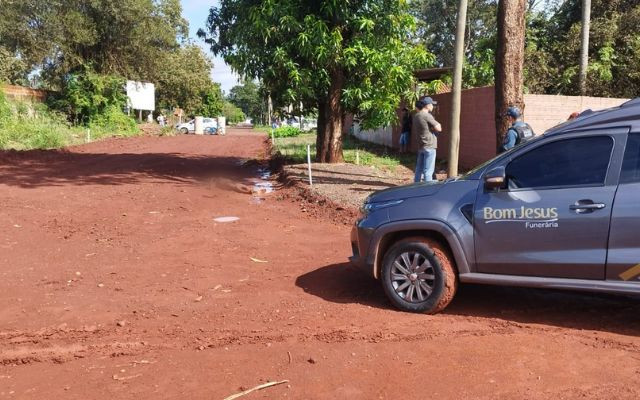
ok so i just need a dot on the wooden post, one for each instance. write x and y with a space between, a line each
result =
309 163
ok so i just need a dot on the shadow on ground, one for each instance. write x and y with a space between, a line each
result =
38 168
344 283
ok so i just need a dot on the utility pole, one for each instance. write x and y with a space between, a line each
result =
456 94
584 51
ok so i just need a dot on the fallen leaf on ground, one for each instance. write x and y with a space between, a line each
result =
257 260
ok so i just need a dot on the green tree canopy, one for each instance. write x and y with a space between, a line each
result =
350 55
142 40
249 99
552 44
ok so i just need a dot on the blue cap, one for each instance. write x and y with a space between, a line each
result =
513 112
428 100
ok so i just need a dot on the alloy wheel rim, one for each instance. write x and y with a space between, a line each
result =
413 277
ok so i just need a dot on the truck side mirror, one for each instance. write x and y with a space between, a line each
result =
495 178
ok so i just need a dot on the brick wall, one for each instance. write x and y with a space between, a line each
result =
24 94
543 111
477 124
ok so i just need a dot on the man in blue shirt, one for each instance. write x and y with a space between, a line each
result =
519 131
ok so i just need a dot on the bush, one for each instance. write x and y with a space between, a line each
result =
87 95
286 131
112 122
232 113
48 131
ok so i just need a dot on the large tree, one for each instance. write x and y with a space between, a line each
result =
249 99
134 39
509 62
183 79
351 55
553 50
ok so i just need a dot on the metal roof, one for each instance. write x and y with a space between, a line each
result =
431 74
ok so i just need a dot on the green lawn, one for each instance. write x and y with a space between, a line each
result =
294 149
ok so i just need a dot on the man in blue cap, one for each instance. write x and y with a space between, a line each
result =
519 132
423 124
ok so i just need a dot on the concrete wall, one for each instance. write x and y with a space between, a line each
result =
477 125
20 93
383 136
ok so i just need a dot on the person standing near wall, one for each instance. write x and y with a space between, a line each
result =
519 132
423 124
406 130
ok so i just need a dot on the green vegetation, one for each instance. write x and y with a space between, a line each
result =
142 40
552 46
286 131
84 51
25 126
249 98
333 56
294 149
232 113
212 103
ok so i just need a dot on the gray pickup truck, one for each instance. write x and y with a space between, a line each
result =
561 211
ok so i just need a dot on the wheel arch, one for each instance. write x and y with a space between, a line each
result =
385 236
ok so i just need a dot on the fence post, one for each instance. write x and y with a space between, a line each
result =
309 163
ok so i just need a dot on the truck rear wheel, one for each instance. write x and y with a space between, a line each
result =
418 275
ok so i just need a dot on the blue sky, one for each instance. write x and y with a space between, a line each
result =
196 12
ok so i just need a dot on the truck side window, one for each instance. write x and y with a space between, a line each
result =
631 164
579 161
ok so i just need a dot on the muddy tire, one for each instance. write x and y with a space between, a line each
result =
418 275
184 131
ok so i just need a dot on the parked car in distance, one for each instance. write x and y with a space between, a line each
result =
209 125
560 211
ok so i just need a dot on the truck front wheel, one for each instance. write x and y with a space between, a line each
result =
418 275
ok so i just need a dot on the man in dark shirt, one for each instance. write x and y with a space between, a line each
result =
406 130
423 123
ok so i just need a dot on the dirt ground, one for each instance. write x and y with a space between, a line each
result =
118 283
347 184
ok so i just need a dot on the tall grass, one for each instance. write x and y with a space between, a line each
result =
25 126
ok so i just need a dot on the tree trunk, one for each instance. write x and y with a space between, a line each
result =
584 51
322 139
509 62
334 117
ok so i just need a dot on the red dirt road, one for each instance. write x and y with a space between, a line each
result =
117 283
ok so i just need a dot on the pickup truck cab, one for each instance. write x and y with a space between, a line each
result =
560 211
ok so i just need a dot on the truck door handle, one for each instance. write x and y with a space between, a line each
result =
587 206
